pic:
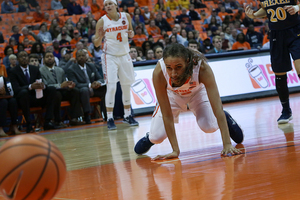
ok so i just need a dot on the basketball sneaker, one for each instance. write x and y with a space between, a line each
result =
143 145
286 116
111 124
235 131
130 120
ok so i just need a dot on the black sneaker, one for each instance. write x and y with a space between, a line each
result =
235 131
130 120
143 145
285 117
111 124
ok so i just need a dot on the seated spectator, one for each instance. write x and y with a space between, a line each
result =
82 27
23 6
183 4
27 45
137 11
92 28
198 3
160 6
147 15
59 20
170 19
190 36
8 104
56 5
241 43
162 23
146 45
158 52
85 8
44 35
54 28
136 22
186 27
13 43
213 14
217 43
254 38
172 5
230 5
28 18
23 79
183 34
16 34
134 55
38 48
139 37
38 15
213 23
32 3
65 90
13 63
128 3
74 8
80 46
88 81
207 45
67 36
7 7
66 59
194 15
153 29
76 37
193 44
21 47
183 17
150 54
64 42
173 39
95 8
175 31
34 60
56 48
46 19
7 52
226 45
3 71
140 53
222 13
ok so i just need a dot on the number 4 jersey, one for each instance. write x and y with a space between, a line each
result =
116 36
279 18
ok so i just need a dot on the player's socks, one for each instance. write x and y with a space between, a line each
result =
143 145
283 93
235 131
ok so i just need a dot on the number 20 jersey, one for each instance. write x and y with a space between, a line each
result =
116 36
279 18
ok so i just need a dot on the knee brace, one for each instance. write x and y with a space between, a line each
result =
110 95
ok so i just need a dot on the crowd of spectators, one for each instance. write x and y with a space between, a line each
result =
192 23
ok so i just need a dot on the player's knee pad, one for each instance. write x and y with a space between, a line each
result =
126 94
157 131
110 95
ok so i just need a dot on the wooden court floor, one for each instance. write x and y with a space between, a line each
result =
103 165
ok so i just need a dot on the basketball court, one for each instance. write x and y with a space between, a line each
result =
103 166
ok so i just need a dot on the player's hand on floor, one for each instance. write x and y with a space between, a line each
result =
292 9
229 149
168 156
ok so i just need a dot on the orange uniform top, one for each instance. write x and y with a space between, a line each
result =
139 40
238 45
30 38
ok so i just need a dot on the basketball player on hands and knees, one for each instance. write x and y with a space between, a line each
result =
284 23
115 27
183 77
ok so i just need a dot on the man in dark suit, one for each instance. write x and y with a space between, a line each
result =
88 81
25 85
65 90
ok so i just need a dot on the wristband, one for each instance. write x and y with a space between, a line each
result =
296 8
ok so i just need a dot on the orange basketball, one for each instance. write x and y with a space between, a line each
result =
31 168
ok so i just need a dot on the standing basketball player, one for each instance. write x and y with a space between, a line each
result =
115 27
284 40
183 77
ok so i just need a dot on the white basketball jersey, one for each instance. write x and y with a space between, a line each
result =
116 37
190 87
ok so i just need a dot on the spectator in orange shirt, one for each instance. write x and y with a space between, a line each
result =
38 14
25 34
13 43
28 18
139 38
241 42
59 20
79 45
76 38
95 7
170 18
153 29
222 13
47 18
